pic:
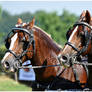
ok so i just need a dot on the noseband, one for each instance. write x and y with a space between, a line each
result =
88 37
31 42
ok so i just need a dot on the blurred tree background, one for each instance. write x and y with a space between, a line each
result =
0 12
54 24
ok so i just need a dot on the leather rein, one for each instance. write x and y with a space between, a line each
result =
19 65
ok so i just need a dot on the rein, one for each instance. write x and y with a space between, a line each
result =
35 67
31 41
18 65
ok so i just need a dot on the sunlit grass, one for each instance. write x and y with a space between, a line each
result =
7 84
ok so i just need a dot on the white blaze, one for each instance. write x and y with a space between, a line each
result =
71 37
13 39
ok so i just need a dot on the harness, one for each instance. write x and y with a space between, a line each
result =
31 42
73 59
18 65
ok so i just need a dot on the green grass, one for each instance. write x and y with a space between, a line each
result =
7 84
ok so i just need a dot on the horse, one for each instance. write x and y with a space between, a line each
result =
29 42
79 42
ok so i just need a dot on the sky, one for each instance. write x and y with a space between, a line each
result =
18 7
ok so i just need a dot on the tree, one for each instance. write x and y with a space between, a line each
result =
52 23
0 12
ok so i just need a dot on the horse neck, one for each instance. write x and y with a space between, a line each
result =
44 44
45 54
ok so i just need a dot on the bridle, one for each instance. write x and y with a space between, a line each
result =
76 58
32 42
18 61
88 37
17 64
73 58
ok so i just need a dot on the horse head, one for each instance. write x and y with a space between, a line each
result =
79 38
20 43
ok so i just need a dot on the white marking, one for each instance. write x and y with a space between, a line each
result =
71 37
13 39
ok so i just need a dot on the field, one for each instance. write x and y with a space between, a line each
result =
7 84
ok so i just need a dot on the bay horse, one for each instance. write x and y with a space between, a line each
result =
79 42
29 42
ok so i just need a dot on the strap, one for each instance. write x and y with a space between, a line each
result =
75 75
12 53
83 23
70 44
20 29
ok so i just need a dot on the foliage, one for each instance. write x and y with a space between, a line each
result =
51 23
0 12
2 52
55 25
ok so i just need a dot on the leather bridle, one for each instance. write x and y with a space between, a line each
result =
31 42
18 61
88 37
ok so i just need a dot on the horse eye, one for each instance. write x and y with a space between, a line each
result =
82 33
25 45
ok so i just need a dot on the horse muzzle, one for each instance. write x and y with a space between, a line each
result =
8 67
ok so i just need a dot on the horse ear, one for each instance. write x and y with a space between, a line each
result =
19 21
91 20
31 24
85 16
88 17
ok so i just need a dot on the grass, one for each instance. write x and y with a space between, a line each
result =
7 84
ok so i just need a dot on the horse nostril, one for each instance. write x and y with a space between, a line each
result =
65 58
6 65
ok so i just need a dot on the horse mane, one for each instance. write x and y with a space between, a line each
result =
52 44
